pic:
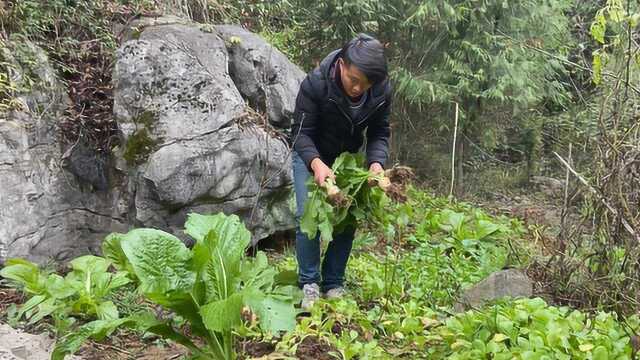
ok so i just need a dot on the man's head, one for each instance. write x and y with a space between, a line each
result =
362 64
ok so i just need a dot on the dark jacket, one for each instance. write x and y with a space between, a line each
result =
322 126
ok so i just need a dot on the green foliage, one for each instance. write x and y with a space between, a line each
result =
61 26
208 286
82 292
453 246
599 266
402 291
358 201
531 329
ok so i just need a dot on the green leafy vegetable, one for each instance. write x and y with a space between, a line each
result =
328 211
208 286
81 293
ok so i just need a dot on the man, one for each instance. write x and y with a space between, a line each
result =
347 93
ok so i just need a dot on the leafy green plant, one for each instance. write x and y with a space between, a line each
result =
340 205
531 329
82 292
209 286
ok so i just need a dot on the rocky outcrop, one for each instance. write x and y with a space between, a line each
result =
46 213
264 76
186 142
190 142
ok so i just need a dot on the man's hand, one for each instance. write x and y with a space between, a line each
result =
321 171
375 168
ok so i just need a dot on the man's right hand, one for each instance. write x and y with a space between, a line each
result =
321 171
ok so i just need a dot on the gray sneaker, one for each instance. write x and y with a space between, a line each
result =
311 295
335 293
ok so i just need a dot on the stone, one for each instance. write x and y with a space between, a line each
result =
19 345
45 212
264 75
504 283
187 146
549 186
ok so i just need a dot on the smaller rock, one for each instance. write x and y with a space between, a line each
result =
503 283
549 186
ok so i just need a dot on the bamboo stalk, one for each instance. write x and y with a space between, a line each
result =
453 153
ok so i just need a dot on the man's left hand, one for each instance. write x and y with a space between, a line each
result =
374 169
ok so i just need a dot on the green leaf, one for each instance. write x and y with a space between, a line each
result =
599 27
107 310
30 305
451 221
286 277
147 322
586 347
58 287
90 264
45 309
97 329
597 68
600 353
485 228
326 230
500 337
117 280
257 273
161 262
112 250
274 315
232 233
223 315
25 274
218 253
308 224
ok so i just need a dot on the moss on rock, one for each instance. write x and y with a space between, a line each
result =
140 144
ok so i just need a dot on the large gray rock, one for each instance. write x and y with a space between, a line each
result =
263 74
45 212
504 283
186 147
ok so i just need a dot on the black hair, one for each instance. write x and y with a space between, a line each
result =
367 54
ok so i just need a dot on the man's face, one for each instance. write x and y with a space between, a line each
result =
354 82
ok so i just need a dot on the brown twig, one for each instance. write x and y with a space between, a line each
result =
600 197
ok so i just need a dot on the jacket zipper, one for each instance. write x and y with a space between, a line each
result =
343 113
372 111
351 121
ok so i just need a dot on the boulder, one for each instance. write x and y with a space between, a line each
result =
187 144
264 76
504 283
45 212
190 143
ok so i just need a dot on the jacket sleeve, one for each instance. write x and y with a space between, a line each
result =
378 133
305 122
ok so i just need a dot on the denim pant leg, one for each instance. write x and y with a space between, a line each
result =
335 260
307 250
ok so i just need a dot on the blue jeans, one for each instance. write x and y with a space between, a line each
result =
335 259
